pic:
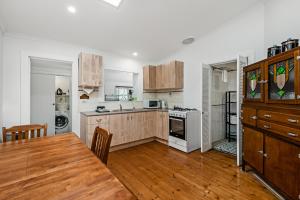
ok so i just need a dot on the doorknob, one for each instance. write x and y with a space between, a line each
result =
53 104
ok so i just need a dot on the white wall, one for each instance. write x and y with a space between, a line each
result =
1 80
281 21
14 46
242 35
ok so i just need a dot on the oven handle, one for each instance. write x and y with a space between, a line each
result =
175 119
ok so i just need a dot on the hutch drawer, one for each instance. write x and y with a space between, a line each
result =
249 116
285 131
279 117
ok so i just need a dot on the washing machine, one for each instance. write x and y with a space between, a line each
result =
62 122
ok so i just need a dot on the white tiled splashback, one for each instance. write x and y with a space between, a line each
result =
172 98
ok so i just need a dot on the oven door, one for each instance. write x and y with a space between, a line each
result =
177 127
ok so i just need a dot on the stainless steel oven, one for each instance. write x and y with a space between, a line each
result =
177 127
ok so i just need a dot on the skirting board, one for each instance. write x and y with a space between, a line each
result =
267 186
136 143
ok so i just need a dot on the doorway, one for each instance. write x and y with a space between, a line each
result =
50 92
224 107
206 104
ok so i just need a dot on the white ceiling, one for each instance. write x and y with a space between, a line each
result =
154 28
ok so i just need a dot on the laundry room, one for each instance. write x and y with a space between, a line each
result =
62 104
51 94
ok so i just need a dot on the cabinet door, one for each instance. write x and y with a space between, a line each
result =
282 166
149 77
159 124
136 127
283 77
90 70
165 125
159 78
254 83
118 126
253 148
149 125
249 116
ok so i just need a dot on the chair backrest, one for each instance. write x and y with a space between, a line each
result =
24 132
101 144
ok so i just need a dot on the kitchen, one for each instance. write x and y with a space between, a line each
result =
151 91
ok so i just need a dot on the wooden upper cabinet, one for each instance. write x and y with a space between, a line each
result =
254 82
149 74
283 75
253 148
282 166
166 77
90 70
274 80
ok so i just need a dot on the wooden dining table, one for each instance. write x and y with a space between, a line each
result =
57 167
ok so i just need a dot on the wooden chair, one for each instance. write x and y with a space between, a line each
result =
24 131
101 144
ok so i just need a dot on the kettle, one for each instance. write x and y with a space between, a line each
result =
164 104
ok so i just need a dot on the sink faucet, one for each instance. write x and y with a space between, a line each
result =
121 107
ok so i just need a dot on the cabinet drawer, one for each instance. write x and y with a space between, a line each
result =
286 131
279 117
249 116
98 120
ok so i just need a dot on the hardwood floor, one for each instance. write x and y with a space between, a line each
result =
155 171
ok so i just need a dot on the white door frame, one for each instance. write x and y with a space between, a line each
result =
250 56
25 86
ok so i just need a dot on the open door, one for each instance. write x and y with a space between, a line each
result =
43 101
241 63
205 116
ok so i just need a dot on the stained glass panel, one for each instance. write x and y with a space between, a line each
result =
253 87
281 80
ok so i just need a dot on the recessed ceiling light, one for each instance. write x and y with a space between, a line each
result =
115 3
188 40
135 54
72 9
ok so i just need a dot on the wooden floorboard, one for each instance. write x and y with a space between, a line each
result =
156 171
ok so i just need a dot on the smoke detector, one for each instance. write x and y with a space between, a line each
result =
188 40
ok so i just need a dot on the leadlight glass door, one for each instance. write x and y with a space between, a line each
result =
254 82
282 74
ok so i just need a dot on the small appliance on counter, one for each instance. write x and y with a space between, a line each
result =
289 44
274 50
164 104
150 104
101 109
184 129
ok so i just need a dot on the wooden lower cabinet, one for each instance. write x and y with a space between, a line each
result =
127 127
119 127
282 166
253 148
162 127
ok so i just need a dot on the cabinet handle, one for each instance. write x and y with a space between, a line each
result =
242 118
267 127
298 96
292 134
98 120
267 116
242 111
261 152
293 121
265 155
253 117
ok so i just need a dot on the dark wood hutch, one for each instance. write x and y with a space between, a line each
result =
271 121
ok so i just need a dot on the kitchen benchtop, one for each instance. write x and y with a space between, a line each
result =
93 113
